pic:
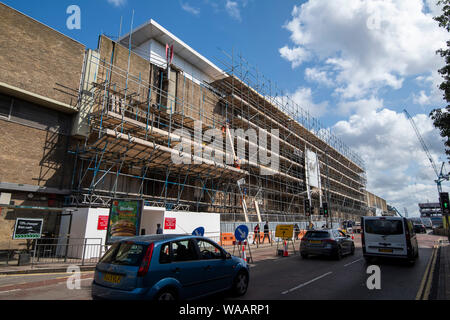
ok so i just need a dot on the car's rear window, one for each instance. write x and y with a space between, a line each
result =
125 253
317 234
384 227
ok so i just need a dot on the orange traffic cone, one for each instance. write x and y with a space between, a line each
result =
285 252
243 253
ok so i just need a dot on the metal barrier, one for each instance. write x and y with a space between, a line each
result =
80 251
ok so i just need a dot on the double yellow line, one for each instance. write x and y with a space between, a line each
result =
425 285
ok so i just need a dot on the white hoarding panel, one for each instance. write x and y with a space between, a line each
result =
313 168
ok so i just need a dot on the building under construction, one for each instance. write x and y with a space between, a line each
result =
143 94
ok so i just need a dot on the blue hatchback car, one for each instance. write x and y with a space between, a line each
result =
168 267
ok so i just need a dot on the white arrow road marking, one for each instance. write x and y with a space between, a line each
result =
306 283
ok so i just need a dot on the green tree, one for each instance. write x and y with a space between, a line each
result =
440 116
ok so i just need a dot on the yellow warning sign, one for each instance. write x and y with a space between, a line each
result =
284 231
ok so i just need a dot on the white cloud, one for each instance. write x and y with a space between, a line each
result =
397 168
304 98
232 7
117 3
188 8
433 8
421 98
361 106
296 56
434 95
368 44
319 76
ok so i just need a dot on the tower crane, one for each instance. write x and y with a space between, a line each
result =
439 174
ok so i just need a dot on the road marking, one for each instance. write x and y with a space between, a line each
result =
425 276
10 291
346 265
430 278
38 274
306 283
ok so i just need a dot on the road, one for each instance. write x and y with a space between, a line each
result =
272 278
326 279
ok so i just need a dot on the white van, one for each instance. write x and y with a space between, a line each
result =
390 237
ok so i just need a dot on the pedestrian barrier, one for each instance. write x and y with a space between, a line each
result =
227 239
80 251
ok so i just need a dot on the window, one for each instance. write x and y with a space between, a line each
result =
317 234
5 106
125 253
184 251
341 234
209 250
384 227
411 228
164 256
110 254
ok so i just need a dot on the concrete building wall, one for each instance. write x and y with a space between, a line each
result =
377 203
186 96
40 74
118 56
8 218
38 59
33 156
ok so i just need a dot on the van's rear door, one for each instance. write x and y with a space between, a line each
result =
385 235
119 267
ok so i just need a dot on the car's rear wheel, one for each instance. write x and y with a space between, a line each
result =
166 295
240 284
304 255
338 255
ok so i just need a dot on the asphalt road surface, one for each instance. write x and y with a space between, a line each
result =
318 278
272 278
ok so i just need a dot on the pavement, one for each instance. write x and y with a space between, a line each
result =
443 283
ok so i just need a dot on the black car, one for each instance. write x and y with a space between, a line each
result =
419 228
331 242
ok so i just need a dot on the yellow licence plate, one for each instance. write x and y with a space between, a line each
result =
113 278
385 250
315 241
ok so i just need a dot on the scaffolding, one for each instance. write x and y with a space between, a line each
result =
135 110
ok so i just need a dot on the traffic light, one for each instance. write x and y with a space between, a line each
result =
443 197
325 209
307 208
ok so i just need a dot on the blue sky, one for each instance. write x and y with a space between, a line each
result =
354 64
